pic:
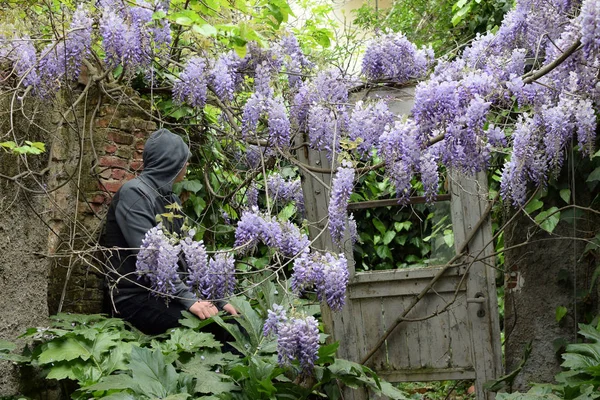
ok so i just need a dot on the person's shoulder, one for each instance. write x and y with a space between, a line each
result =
132 189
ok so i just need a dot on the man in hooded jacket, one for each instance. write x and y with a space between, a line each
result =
132 213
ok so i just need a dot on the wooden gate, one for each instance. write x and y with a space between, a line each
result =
417 324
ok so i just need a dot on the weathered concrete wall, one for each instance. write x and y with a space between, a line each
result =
547 272
23 269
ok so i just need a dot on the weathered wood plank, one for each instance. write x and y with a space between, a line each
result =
416 375
468 205
402 287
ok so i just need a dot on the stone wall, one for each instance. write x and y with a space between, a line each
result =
112 155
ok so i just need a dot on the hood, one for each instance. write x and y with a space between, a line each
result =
165 154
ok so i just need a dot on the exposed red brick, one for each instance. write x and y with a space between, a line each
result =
120 137
129 176
103 122
118 174
136 165
111 161
139 144
110 185
141 135
110 148
99 198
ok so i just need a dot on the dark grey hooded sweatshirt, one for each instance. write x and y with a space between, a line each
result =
133 212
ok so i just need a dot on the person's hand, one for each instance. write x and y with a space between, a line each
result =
203 309
230 309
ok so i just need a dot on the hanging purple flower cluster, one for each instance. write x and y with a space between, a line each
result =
130 37
294 60
341 189
278 123
285 191
284 237
366 125
320 108
326 274
297 338
224 77
191 85
21 53
392 57
400 150
221 279
590 27
157 261
197 263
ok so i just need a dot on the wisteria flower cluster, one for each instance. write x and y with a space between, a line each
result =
367 123
341 189
130 37
255 227
325 273
285 190
392 57
297 338
191 87
157 261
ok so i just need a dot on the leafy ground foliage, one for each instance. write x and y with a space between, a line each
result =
105 358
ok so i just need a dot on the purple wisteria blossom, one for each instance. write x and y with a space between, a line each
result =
331 289
590 27
297 338
224 75
63 60
285 190
392 57
282 236
191 86
326 274
399 148
253 109
157 262
367 123
341 189
278 123
24 57
294 60
197 262
221 277
252 197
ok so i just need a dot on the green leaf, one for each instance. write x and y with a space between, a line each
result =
533 205
158 15
190 341
250 320
565 194
8 145
560 313
193 186
384 252
65 350
205 29
112 382
594 176
288 212
327 352
388 237
151 374
6 346
548 219
380 226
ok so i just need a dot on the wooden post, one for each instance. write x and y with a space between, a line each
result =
469 200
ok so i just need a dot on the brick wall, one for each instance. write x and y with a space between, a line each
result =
112 155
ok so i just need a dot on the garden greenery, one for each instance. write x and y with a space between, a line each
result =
250 96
